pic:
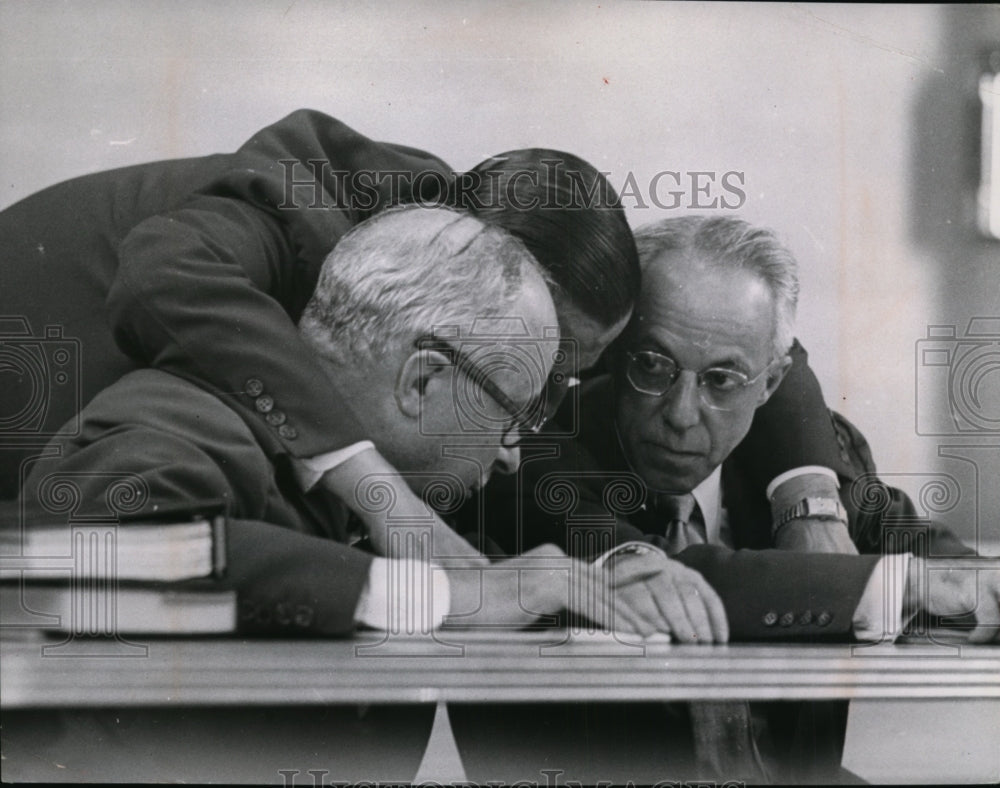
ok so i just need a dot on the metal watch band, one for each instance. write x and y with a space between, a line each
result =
819 508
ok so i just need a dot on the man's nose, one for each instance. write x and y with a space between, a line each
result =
508 458
681 406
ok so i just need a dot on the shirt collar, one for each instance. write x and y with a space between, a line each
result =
708 494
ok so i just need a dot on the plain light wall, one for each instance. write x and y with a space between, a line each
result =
850 124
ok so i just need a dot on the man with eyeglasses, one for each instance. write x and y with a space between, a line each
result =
708 344
440 331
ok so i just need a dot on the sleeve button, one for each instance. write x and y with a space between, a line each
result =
303 616
769 619
275 418
253 387
264 403
824 618
287 432
787 619
806 618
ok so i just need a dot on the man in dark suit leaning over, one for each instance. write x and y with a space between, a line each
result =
413 306
420 348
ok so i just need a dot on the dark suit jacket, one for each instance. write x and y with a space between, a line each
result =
288 556
195 266
200 266
287 550
580 494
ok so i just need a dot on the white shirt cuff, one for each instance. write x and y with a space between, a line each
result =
309 470
802 470
422 596
879 615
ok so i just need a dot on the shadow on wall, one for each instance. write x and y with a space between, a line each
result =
945 165
963 423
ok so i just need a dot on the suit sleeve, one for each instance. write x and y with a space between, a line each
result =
779 595
195 295
162 440
211 291
793 428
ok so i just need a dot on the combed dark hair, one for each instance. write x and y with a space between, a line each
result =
570 219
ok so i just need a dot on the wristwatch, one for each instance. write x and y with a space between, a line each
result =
819 508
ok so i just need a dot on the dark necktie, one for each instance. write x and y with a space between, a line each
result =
683 523
722 730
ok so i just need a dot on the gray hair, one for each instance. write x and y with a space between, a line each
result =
730 242
405 272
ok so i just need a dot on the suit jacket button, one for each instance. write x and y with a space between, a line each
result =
806 618
824 618
275 418
287 432
770 618
282 615
253 387
264 404
787 619
303 616
247 610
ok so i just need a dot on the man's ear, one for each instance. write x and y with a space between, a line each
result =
420 373
779 368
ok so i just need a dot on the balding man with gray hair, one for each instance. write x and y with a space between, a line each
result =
441 331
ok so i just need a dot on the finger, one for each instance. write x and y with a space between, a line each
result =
987 614
705 609
639 602
594 598
696 612
625 622
718 621
547 550
667 595
619 611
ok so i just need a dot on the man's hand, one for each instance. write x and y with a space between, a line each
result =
933 586
543 581
663 595
815 535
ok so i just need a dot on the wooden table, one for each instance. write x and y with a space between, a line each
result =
517 667
473 667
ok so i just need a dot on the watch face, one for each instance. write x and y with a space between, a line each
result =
824 507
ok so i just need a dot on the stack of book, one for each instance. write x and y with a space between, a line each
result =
156 576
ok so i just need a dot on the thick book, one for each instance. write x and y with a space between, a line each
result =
168 546
88 611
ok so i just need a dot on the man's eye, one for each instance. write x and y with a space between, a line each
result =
653 364
722 379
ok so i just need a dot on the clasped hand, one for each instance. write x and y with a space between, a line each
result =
942 590
646 594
